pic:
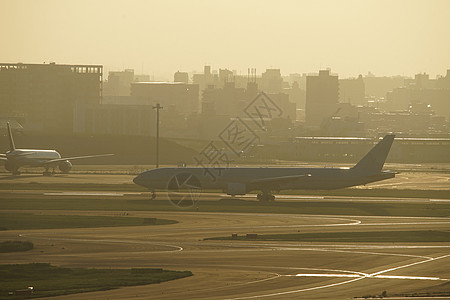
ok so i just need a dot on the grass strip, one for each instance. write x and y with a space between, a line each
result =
19 221
316 207
49 280
123 187
426 236
15 246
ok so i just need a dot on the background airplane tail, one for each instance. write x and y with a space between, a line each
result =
12 147
374 160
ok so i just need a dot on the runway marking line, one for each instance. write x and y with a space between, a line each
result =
358 277
355 276
83 194
178 248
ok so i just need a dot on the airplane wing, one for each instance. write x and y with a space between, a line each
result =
24 154
73 158
3 155
3 158
279 179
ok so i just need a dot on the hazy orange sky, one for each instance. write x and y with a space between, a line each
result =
386 37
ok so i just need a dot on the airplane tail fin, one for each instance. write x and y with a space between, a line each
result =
374 160
12 147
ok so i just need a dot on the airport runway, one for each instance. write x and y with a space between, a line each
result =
248 269
241 269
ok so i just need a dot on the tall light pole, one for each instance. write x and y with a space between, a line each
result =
157 107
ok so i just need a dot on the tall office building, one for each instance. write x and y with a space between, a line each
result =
322 97
44 96
271 81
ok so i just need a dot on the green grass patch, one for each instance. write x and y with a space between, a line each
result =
49 280
383 193
123 187
17 221
15 246
354 237
435 209
317 207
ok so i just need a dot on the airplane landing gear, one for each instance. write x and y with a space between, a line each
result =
265 197
48 173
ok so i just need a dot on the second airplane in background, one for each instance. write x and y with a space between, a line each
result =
16 158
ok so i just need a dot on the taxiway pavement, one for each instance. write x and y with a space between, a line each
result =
247 269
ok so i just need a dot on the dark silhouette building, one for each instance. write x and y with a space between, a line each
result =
206 79
422 90
185 97
378 87
181 77
322 96
44 96
352 90
229 100
271 81
118 83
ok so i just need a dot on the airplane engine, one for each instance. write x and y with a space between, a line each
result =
8 166
236 188
65 166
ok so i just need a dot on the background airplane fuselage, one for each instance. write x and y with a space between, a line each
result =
16 158
31 157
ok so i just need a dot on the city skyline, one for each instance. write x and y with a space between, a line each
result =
161 37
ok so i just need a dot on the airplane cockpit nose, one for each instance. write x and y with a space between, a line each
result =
139 180
147 179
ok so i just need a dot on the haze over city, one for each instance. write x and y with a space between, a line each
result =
160 37
248 149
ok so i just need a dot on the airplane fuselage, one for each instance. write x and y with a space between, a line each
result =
251 179
16 158
239 181
31 157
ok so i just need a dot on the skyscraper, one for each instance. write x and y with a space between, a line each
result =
322 97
